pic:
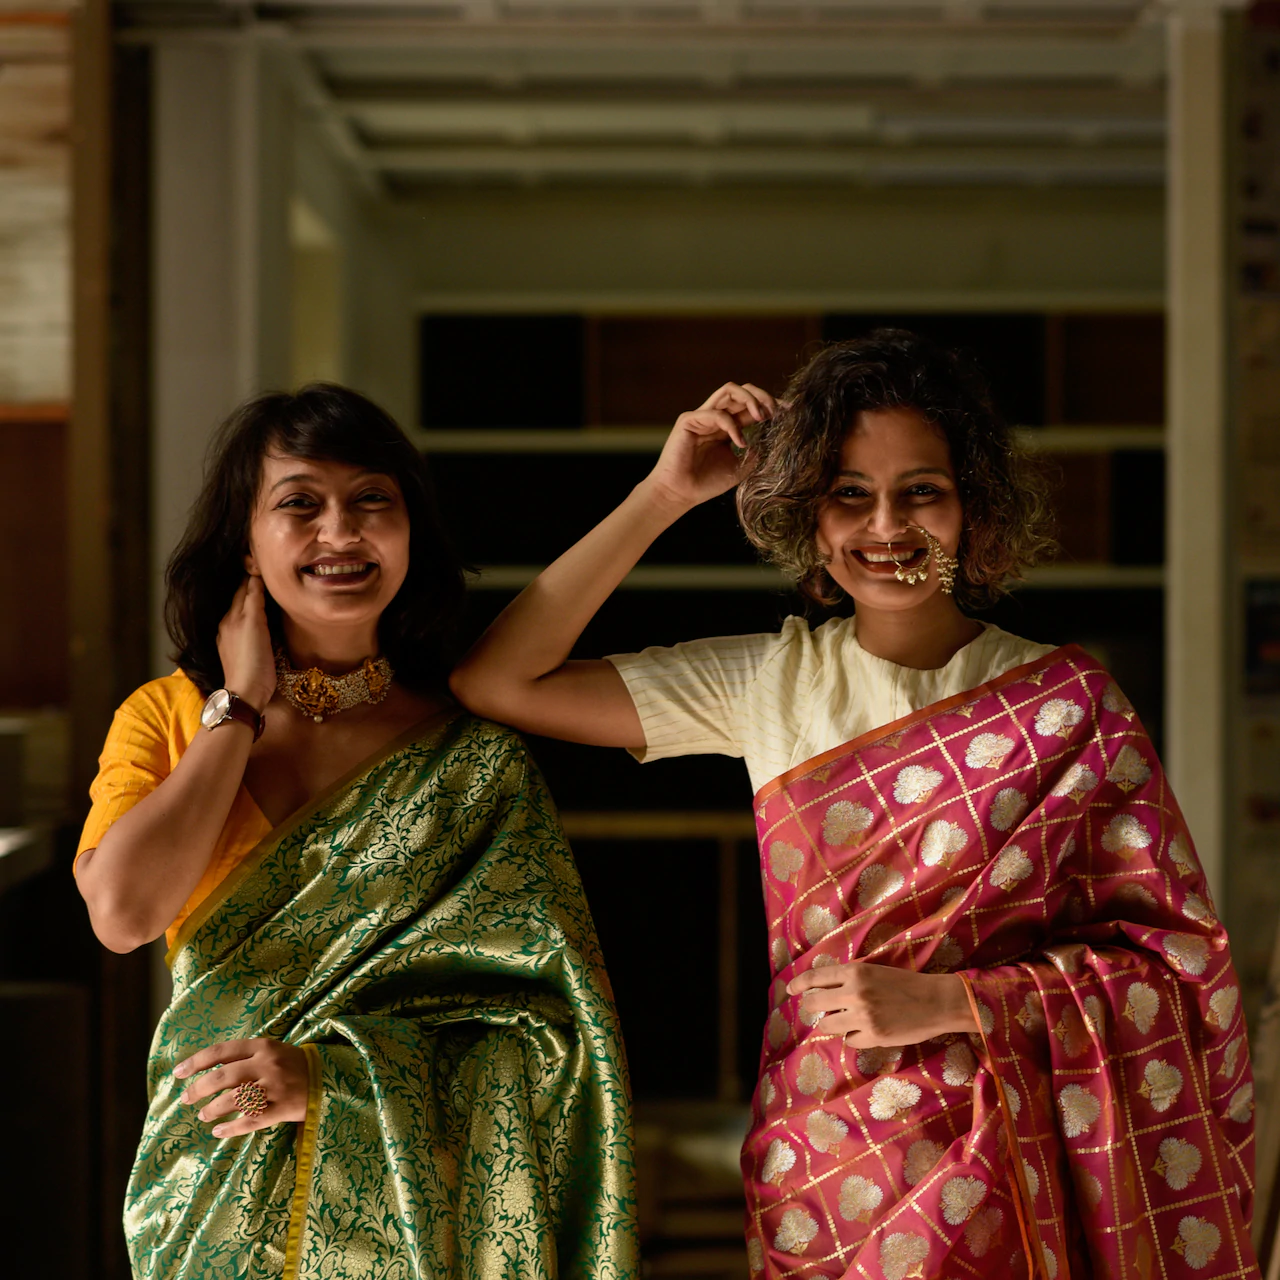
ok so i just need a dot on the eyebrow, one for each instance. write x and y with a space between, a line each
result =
306 475
906 475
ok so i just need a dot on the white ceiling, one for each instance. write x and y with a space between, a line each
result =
999 92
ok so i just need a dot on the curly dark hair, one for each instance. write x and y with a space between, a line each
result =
321 422
795 457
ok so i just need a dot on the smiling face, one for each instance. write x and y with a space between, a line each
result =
895 472
331 542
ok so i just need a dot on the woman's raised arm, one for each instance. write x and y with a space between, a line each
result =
152 857
518 671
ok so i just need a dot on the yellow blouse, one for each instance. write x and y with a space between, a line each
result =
150 732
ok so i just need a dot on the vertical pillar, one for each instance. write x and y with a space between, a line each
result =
1197 595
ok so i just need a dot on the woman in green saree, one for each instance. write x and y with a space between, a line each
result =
391 1050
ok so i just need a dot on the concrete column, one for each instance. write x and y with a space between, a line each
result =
1197 595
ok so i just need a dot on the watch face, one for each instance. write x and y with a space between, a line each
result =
217 706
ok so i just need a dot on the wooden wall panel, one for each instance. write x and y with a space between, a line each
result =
33 532
646 370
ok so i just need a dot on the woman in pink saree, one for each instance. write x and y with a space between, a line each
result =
1005 1031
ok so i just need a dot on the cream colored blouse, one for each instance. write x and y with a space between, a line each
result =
781 698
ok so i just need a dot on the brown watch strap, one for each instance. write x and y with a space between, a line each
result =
239 709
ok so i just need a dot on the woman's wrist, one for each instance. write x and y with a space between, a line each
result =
656 499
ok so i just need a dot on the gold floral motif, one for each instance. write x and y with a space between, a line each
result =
941 840
1080 1109
1229 1057
1115 701
1161 1084
878 1061
814 1076
778 954
1194 907
982 1230
922 1156
1178 1162
947 956
755 1255
1197 1241
768 1090
1094 1017
1036 678
825 1131
1071 1032
1188 952
1031 1015
987 751
504 878
878 935
1125 836
892 1098
778 1159
914 783
1013 1098
876 883
817 922
1057 717
1067 849
1137 895
986 1019
1181 856
1142 1004
1240 1108
859 1198
967 710
1077 781
1032 1178
785 860
902 1255
1129 770
844 822
1050 1261
795 1231
1010 868
958 1064
1007 809
1090 1188
779 1029
1221 1006
960 1197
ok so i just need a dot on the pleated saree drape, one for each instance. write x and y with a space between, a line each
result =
1023 836
421 932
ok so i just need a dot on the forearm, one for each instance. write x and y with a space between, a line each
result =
152 857
534 635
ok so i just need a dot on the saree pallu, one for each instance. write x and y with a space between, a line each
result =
1023 836
421 933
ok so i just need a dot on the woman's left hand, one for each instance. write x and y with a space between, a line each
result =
874 1005
281 1070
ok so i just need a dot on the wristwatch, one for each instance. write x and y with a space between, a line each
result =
223 705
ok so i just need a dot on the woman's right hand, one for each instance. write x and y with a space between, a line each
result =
244 645
698 461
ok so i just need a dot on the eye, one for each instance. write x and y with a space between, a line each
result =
923 491
299 501
849 492
374 495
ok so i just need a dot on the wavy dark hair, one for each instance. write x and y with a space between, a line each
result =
795 456
322 422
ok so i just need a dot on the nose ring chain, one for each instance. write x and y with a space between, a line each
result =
947 565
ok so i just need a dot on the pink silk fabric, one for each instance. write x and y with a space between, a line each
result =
1023 836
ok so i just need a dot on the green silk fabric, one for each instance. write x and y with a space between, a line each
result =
421 931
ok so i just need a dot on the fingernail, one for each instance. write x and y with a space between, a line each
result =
180 1069
183 1097
218 1130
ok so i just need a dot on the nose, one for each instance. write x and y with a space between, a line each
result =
338 526
888 520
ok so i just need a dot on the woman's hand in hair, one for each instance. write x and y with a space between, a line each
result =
244 645
704 454
280 1069
874 1005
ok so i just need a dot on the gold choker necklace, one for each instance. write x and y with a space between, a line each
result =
318 695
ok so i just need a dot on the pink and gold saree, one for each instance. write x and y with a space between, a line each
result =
1023 836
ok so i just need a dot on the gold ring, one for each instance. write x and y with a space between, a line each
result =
250 1099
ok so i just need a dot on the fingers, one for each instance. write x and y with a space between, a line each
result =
712 422
829 975
215 1055
742 398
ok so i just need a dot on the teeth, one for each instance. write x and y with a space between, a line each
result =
329 570
884 557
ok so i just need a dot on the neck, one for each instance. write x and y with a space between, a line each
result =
335 650
924 638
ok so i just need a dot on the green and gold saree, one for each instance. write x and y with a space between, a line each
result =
421 932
